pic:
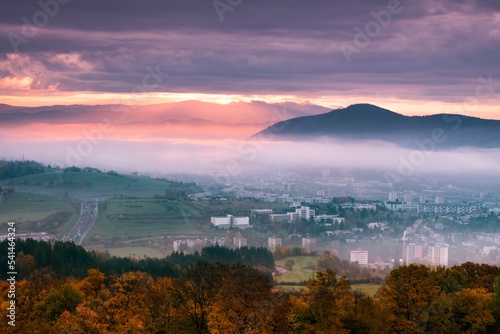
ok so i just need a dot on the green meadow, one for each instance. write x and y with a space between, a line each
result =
31 207
87 185
301 271
146 217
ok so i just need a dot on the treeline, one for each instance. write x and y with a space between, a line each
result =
253 256
67 259
237 298
11 169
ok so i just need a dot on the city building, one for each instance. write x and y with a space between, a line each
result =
182 245
221 222
393 195
305 212
438 254
360 256
394 205
241 222
439 200
309 244
333 218
39 236
412 253
263 212
408 197
451 208
231 221
274 243
239 242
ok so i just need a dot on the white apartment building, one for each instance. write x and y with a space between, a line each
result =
274 243
438 254
239 242
309 244
360 256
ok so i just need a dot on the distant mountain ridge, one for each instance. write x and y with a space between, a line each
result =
369 122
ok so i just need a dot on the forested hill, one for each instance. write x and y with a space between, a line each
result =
12 169
370 122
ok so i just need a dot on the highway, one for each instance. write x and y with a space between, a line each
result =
88 217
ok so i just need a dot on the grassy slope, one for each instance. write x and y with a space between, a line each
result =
140 218
301 271
101 185
31 207
369 289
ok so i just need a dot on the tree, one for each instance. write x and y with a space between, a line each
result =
160 309
244 302
129 295
289 264
472 310
329 303
196 291
407 295
367 317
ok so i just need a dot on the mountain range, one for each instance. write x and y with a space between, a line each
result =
370 122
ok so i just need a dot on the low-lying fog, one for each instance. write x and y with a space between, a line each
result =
229 158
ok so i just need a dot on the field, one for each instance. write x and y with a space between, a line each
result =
290 288
86 185
369 289
146 217
301 271
138 252
22 207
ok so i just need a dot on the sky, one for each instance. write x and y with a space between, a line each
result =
412 57
179 86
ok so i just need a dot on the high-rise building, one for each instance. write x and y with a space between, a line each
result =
274 243
359 256
239 242
309 244
438 254
439 200
305 212
393 195
412 253
408 197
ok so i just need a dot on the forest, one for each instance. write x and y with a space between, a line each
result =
230 291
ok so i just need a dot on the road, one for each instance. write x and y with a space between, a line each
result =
88 217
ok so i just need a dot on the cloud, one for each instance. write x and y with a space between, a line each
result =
428 51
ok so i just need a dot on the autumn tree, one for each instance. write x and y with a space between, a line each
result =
160 312
367 317
478 275
196 291
326 304
472 310
244 302
407 295
129 294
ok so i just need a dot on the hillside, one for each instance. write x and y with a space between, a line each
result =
369 122
91 184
